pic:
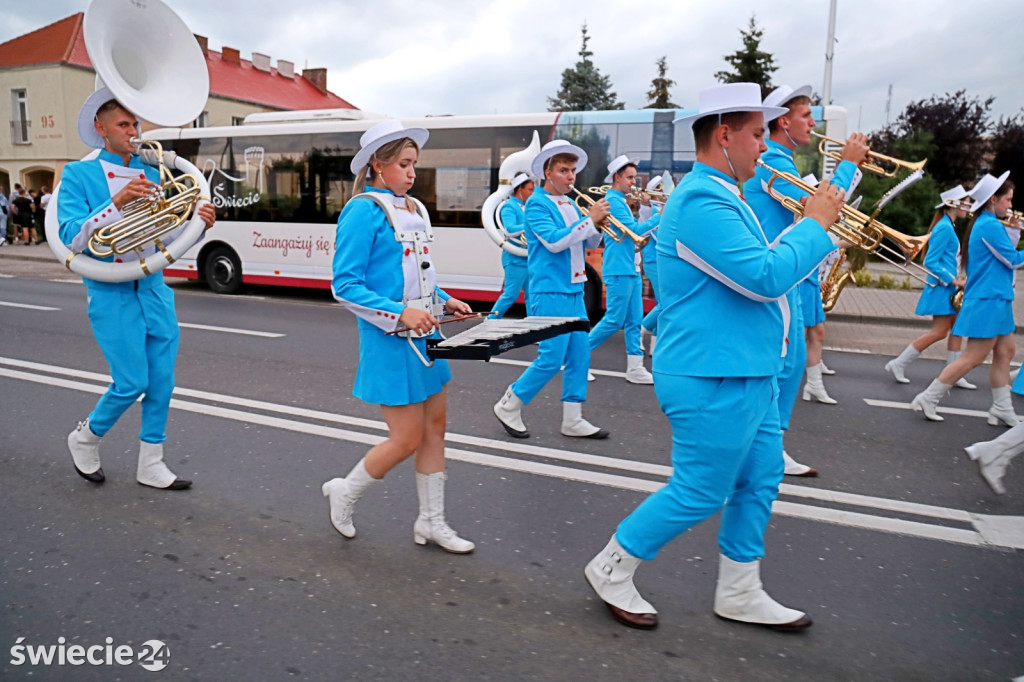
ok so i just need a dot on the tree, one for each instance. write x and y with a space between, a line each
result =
583 87
1008 150
958 125
658 96
750 64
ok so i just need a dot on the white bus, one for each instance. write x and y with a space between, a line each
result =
280 180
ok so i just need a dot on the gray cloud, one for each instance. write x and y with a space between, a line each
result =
465 57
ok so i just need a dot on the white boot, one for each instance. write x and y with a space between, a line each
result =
1002 408
654 342
85 452
610 573
825 370
574 425
430 524
636 373
927 400
509 410
343 493
1013 375
795 468
899 364
590 376
740 596
815 388
951 357
153 472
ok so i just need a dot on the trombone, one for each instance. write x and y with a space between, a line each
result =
859 229
887 166
611 226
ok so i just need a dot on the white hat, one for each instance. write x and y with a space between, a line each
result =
520 179
724 99
654 183
379 135
781 95
617 164
551 149
985 188
954 194
87 116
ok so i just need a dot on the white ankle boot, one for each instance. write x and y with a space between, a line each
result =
899 364
153 472
509 410
825 370
636 373
590 376
610 573
951 357
85 452
995 455
654 342
927 400
815 388
342 494
574 425
1002 408
795 468
430 524
740 596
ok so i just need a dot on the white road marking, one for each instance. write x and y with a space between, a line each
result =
989 531
231 330
527 363
3 276
68 280
892 405
27 306
837 349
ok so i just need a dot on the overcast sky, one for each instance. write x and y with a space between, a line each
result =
416 57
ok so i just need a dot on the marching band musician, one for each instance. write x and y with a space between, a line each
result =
556 236
722 339
986 316
513 219
134 322
942 258
383 273
620 270
650 263
786 133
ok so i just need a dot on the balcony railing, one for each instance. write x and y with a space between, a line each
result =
21 132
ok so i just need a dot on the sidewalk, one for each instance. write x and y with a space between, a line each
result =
866 305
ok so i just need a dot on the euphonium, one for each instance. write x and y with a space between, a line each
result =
610 224
859 229
891 165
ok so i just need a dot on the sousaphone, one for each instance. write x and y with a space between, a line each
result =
514 164
150 61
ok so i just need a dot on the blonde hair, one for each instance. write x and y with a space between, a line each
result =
387 154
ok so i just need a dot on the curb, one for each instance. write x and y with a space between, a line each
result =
891 321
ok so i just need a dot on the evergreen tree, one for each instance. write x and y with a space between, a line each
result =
583 87
658 96
750 64
1008 152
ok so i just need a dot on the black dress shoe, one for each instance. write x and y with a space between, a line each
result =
95 477
641 621
801 623
810 473
515 433
600 435
178 484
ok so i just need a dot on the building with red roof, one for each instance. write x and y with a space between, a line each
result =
48 74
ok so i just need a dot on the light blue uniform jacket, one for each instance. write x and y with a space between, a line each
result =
557 252
620 256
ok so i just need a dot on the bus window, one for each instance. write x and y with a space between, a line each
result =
597 140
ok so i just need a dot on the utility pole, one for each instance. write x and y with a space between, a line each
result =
888 103
826 90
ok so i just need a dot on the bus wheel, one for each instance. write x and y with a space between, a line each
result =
593 292
223 271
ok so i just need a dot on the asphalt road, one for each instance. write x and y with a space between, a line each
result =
908 564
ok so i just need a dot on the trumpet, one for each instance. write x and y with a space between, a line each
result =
860 229
610 225
886 166
634 193
1012 218
146 219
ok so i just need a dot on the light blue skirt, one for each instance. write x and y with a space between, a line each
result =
390 373
984 318
811 304
935 300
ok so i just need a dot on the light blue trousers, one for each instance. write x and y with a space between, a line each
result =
624 310
726 454
650 322
792 374
570 350
137 330
515 281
